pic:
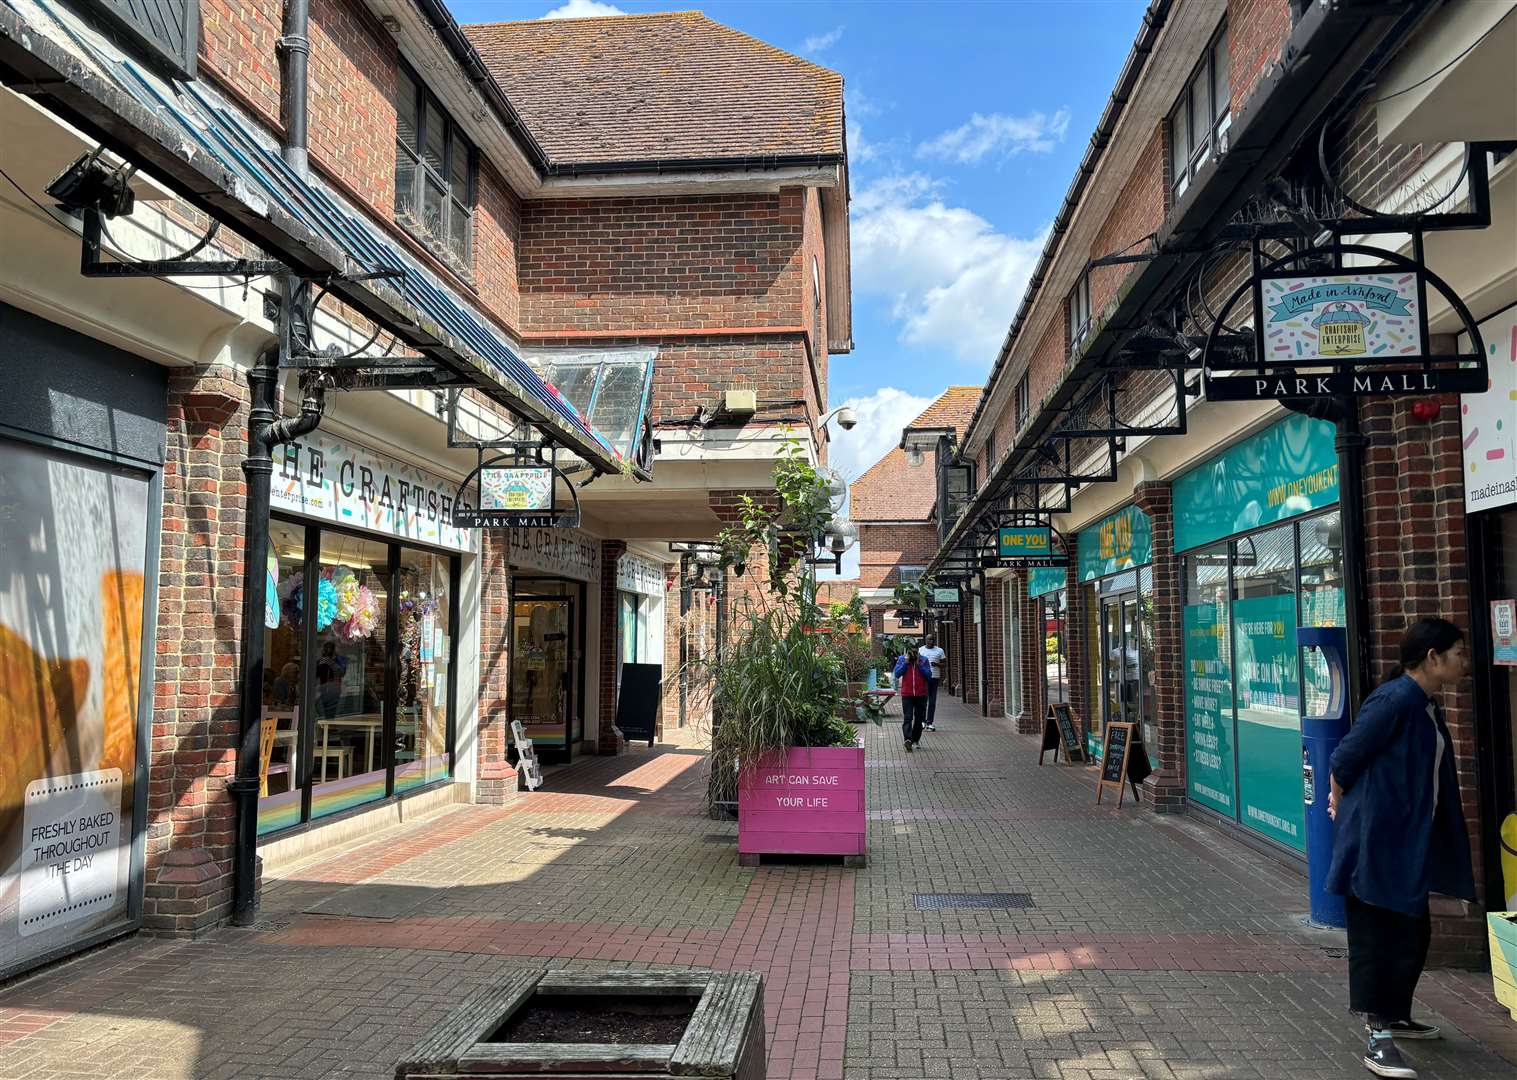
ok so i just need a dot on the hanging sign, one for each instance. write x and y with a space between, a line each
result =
1357 331
516 489
1017 542
513 497
945 596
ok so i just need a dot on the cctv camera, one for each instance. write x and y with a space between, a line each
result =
847 420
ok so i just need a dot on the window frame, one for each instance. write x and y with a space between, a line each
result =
1023 396
1077 312
414 220
1199 149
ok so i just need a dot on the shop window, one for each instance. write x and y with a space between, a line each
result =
1148 698
1322 600
1077 311
1199 121
1055 647
1266 685
1211 764
279 743
350 694
424 629
435 174
910 575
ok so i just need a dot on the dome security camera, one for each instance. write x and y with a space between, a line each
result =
847 418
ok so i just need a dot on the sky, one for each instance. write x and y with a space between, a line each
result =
966 121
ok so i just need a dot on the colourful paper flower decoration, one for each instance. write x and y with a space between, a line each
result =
346 584
326 604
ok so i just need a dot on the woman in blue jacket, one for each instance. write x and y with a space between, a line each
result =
1400 835
912 672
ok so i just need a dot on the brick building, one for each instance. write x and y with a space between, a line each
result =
894 505
516 263
1199 524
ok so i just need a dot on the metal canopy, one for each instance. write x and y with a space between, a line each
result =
190 139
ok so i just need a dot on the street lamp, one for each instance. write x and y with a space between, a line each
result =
917 442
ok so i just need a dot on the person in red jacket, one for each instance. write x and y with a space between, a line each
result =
912 673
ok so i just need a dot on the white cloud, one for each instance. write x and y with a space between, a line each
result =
817 42
953 281
999 135
850 454
583 9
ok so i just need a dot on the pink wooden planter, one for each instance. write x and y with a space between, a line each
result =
808 802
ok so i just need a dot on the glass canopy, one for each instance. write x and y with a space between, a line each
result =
610 388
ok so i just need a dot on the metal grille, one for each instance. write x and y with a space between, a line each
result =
1019 900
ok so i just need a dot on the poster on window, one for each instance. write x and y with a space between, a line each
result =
1489 420
1208 708
1268 694
73 548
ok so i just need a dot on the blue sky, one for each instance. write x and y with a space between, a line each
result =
966 122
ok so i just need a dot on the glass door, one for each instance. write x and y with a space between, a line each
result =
541 672
1119 646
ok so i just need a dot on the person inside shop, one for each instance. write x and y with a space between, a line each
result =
1400 835
912 673
936 659
328 689
286 685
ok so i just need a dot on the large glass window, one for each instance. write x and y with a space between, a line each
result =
1266 684
434 173
1211 762
359 685
1055 647
1321 541
1201 117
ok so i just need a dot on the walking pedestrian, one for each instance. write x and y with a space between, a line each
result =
935 658
1400 835
912 673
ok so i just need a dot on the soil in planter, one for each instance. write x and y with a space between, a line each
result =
598 1019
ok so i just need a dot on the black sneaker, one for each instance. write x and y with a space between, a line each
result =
1383 1059
1410 1029
908 746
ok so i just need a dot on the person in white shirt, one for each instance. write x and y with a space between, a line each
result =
937 658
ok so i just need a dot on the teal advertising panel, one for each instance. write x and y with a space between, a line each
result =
1025 542
1042 580
1120 541
1209 708
1267 696
1285 470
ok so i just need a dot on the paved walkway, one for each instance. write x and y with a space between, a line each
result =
1151 947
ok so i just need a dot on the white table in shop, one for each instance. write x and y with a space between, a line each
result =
371 724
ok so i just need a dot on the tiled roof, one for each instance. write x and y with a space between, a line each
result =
892 490
671 86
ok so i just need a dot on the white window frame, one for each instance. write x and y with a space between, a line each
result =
1077 310
1192 138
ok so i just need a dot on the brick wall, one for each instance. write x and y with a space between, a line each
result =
1256 34
995 615
1166 784
883 549
1032 661
1137 212
1083 696
196 701
815 292
1415 548
496 777
607 739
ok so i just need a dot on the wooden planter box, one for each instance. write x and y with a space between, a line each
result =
1503 928
724 1038
808 802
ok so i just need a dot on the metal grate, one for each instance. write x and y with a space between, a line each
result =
720 838
1017 900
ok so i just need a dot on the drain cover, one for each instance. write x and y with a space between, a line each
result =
973 900
720 838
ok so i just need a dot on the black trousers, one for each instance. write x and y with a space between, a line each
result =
932 698
1386 954
915 711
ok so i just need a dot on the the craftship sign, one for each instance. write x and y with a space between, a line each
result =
1359 331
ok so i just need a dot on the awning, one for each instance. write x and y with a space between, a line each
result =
190 138
611 388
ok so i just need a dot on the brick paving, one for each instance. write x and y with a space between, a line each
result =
1153 947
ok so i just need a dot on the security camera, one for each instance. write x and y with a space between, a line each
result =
847 419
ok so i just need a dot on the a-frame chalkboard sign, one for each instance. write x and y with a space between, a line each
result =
1114 760
1061 731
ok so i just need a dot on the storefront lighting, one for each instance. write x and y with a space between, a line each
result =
915 457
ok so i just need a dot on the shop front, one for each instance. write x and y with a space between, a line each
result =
81 482
1489 428
1261 548
555 574
360 633
1115 557
1048 590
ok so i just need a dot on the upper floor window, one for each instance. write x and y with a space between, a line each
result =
910 574
1078 309
1201 117
990 448
435 167
1024 400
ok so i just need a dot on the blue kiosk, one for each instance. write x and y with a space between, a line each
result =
1320 736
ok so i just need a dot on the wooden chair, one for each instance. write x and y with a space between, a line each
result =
268 735
526 758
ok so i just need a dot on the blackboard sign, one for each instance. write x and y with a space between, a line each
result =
637 704
1060 730
1117 747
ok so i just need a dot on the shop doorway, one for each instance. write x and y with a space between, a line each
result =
1122 659
542 673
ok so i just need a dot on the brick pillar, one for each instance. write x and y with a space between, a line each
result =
607 739
1415 547
668 716
995 615
196 702
1166 785
1033 660
496 783
970 672
1084 698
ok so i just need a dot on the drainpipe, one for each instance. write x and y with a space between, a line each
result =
1350 445
266 431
